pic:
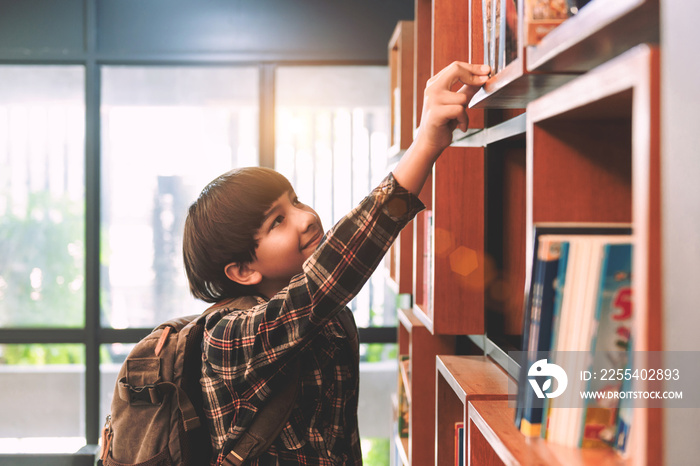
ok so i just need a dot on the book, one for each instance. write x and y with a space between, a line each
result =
487 8
511 31
428 248
459 443
576 332
546 303
539 327
497 31
542 16
610 347
404 396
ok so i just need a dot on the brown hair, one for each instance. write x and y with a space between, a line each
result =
221 225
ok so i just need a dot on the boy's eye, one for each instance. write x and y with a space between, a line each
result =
278 220
296 201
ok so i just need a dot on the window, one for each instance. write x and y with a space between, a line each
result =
42 230
332 139
166 133
332 136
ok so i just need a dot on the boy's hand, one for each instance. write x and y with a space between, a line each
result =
444 110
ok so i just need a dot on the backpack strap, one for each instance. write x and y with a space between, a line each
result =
269 421
272 418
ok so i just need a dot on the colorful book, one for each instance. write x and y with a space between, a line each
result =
610 345
459 443
539 333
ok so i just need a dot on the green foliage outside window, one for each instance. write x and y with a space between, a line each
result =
42 263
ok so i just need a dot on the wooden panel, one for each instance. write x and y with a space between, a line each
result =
419 246
424 348
460 263
582 171
505 241
401 56
449 410
480 451
452 41
423 55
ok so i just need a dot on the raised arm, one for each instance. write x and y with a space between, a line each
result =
444 110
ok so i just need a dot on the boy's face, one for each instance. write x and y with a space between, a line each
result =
290 233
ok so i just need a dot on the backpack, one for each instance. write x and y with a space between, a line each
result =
157 416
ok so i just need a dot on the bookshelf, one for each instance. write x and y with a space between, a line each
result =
567 132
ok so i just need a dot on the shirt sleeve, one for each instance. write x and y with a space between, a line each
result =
246 348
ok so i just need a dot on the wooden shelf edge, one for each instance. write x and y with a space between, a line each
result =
494 419
422 317
515 88
475 377
392 284
598 32
514 128
408 319
402 447
617 75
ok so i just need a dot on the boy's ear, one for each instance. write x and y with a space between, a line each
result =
242 274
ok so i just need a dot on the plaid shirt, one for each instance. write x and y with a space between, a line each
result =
245 349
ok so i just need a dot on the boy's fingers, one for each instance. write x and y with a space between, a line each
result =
466 73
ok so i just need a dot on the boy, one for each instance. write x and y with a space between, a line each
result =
281 287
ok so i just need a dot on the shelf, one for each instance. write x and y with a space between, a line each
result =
400 51
474 377
422 348
494 439
594 157
402 448
460 379
600 31
450 270
515 86
509 129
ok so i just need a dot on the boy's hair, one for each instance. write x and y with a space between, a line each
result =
221 225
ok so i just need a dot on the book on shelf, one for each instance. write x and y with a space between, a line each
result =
404 395
567 314
428 249
542 16
510 44
610 346
487 9
538 328
459 443
572 346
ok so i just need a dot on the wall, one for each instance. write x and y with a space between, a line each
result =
267 30
680 96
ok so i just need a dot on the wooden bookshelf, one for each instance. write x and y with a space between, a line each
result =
421 347
568 132
494 440
600 31
602 131
401 81
515 85
460 379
